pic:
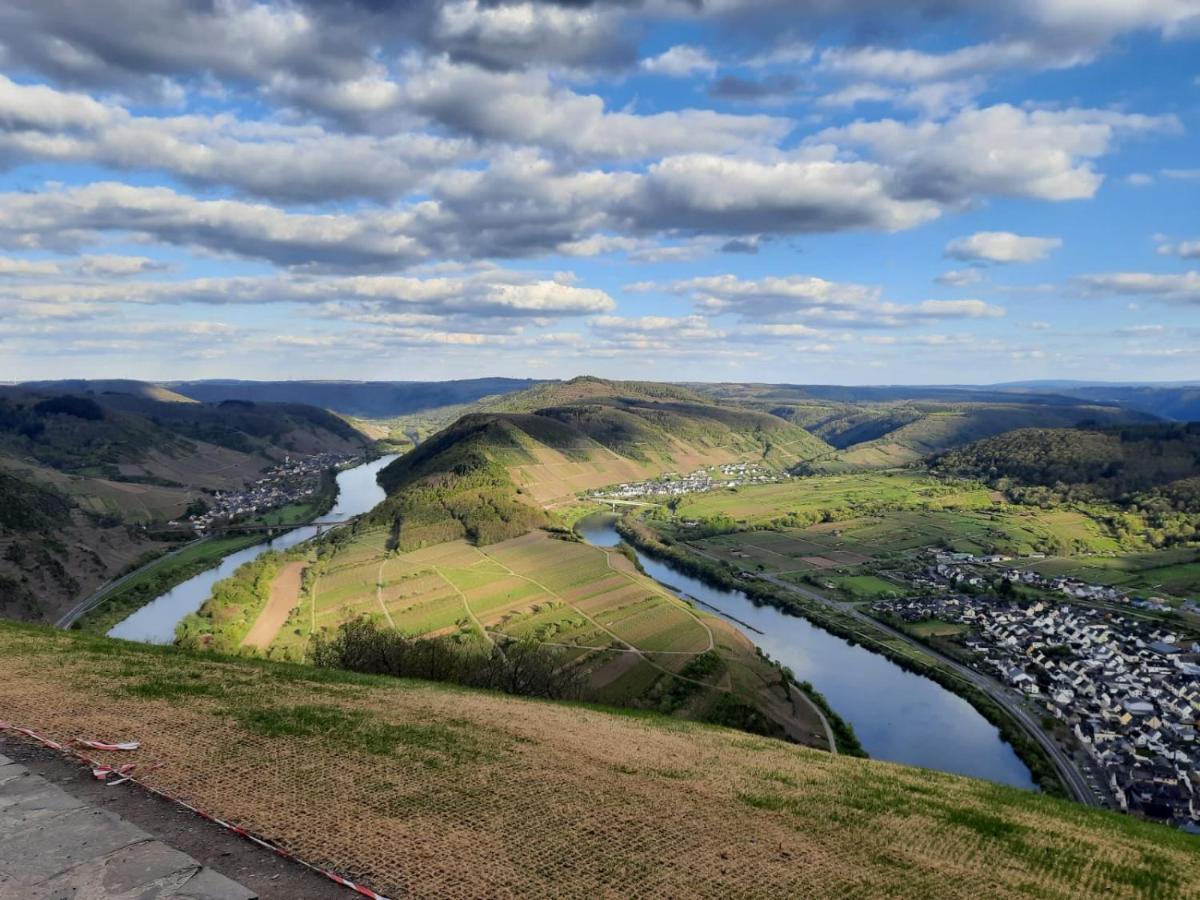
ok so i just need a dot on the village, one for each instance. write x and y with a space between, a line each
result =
295 480
672 484
1126 691
966 569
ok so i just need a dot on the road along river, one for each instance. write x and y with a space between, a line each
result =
154 623
898 715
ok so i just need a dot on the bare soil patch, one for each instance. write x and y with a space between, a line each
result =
285 596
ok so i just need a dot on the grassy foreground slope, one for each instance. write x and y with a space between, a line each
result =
416 788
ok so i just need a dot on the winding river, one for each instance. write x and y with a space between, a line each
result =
154 623
897 715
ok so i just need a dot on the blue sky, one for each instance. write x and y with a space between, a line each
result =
861 191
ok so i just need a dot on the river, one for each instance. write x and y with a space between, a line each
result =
155 622
898 716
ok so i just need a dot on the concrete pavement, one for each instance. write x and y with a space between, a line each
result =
55 847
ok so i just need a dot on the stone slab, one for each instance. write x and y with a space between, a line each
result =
54 847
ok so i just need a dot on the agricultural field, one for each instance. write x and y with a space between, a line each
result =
846 532
760 504
1173 572
625 633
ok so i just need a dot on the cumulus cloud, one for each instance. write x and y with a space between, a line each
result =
108 265
959 277
288 163
680 61
889 64
495 294
808 300
1001 247
65 219
809 193
528 108
998 150
1185 249
1181 288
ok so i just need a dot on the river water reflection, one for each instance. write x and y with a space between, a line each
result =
897 715
155 622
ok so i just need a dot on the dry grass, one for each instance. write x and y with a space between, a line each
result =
422 790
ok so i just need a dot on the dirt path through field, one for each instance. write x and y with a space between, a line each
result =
285 594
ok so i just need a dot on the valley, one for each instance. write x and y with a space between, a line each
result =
756 577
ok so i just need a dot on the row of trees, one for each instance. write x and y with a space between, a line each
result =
525 668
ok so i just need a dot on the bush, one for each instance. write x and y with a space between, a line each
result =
524 668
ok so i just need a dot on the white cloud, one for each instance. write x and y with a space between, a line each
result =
1182 288
498 294
1185 249
1002 247
527 108
998 150
806 193
959 277
680 61
287 163
887 64
810 301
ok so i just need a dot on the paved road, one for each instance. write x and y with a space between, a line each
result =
55 846
1067 770
92 600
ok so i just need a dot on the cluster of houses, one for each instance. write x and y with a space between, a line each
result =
1128 691
295 480
672 484
959 569
1081 590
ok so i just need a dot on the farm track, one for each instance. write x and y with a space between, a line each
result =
466 604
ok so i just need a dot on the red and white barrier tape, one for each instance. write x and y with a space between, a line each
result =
103 770
102 745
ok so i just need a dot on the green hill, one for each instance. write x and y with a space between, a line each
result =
490 475
98 463
1152 470
419 789
877 427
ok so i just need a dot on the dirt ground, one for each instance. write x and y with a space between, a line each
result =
285 596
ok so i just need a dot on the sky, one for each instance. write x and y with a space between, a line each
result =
804 191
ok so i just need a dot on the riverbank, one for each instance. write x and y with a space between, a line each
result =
132 591
856 633
356 492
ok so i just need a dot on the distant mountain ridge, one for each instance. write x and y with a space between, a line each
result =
882 426
364 399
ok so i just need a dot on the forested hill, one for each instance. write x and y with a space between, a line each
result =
1150 469
890 426
490 475
81 470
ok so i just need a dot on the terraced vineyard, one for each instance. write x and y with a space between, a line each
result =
628 637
